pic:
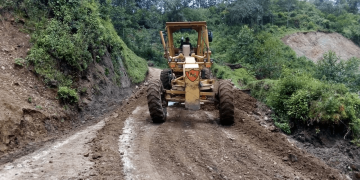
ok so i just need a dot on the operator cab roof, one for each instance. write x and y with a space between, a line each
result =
197 25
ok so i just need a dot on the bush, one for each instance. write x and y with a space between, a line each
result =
332 69
299 96
68 95
260 89
238 76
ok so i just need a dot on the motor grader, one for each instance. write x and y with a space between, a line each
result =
188 79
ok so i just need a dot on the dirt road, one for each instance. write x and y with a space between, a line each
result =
192 145
189 145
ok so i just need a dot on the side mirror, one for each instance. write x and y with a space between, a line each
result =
210 36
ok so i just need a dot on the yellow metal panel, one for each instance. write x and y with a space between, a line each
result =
163 42
192 91
186 24
174 92
171 42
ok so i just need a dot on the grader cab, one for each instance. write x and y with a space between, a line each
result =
188 79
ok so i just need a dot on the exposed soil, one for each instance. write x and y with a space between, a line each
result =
330 146
192 145
28 109
125 144
314 44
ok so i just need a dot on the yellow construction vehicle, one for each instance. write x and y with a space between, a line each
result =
188 80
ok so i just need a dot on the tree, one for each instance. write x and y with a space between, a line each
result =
331 68
288 5
247 11
173 10
354 6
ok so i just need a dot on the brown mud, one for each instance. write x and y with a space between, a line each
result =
192 145
125 144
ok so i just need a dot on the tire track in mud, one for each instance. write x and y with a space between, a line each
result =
206 150
134 145
169 140
191 145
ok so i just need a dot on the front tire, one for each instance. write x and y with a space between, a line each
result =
155 100
226 103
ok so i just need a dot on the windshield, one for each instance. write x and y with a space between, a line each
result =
191 34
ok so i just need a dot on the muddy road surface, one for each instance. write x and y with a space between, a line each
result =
189 145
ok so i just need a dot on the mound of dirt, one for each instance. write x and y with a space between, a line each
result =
28 110
314 44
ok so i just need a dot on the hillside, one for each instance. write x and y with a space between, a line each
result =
52 81
314 44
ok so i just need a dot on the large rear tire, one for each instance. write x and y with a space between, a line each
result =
156 102
165 77
226 102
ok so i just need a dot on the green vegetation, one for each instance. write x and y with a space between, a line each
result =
70 35
237 76
299 96
332 69
67 95
106 72
20 61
